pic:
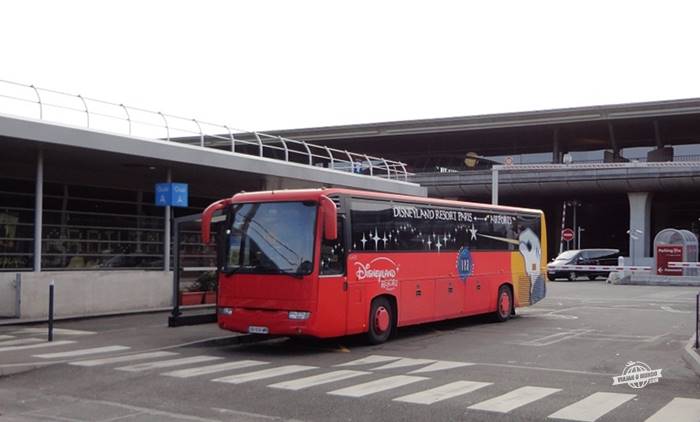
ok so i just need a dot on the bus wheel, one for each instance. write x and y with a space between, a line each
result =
504 305
380 321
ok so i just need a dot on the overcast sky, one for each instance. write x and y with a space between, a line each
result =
279 65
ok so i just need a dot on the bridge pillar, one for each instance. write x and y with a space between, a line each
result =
640 224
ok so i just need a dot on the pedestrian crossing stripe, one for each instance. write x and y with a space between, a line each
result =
514 399
20 341
83 352
441 365
121 359
592 407
376 386
370 360
404 362
139 367
36 345
444 392
6 337
56 331
210 369
680 409
314 380
264 374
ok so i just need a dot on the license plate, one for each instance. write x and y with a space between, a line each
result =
253 329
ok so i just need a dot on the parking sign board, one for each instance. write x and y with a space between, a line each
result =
172 194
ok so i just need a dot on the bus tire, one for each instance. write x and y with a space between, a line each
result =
381 321
504 304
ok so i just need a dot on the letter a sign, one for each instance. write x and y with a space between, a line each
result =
171 194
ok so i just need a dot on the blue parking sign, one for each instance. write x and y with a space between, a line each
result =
172 194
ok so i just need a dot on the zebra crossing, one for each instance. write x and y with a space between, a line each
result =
17 340
369 376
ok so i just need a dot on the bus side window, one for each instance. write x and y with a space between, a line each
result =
333 253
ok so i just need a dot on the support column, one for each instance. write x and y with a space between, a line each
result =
166 230
38 209
494 185
556 147
640 224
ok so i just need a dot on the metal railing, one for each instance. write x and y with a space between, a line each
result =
93 113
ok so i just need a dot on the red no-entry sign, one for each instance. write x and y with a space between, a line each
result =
567 234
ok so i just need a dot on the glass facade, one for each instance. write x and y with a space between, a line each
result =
89 228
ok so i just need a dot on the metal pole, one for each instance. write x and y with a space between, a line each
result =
494 186
575 205
563 225
38 209
166 230
51 289
176 272
697 318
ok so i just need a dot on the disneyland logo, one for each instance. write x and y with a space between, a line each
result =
382 269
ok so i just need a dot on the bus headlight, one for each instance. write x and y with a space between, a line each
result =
299 315
225 311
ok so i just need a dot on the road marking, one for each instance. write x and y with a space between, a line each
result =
404 362
440 366
83 352
361 390
210 369
675 311
6 337
167 363
372 359
120 359
264 374
312 381
592 407
19 341
514 399
556 338
36 346
444 392
63 331
680 409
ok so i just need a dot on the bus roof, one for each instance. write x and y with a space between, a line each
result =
314 194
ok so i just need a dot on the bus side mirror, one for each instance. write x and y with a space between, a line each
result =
330 218
207 216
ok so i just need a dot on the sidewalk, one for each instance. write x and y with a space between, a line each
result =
691 355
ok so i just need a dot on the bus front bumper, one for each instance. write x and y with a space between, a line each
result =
264 321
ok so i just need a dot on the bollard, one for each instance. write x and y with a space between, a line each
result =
51 288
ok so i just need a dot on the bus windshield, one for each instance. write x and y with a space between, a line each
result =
271 238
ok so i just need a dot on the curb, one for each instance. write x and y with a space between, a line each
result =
10 321
691 356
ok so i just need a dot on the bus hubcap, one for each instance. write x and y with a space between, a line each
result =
505 304
381 319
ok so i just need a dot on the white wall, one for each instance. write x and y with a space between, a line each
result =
8 298
79 293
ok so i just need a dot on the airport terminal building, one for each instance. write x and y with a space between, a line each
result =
77 202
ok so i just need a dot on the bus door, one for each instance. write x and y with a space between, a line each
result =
333 284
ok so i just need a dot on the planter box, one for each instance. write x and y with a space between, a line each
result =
210 297
191 298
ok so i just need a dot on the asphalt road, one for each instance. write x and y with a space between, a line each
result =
554 361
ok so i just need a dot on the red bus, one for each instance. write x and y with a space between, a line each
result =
335 262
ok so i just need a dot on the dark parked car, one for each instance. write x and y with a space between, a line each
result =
583 257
